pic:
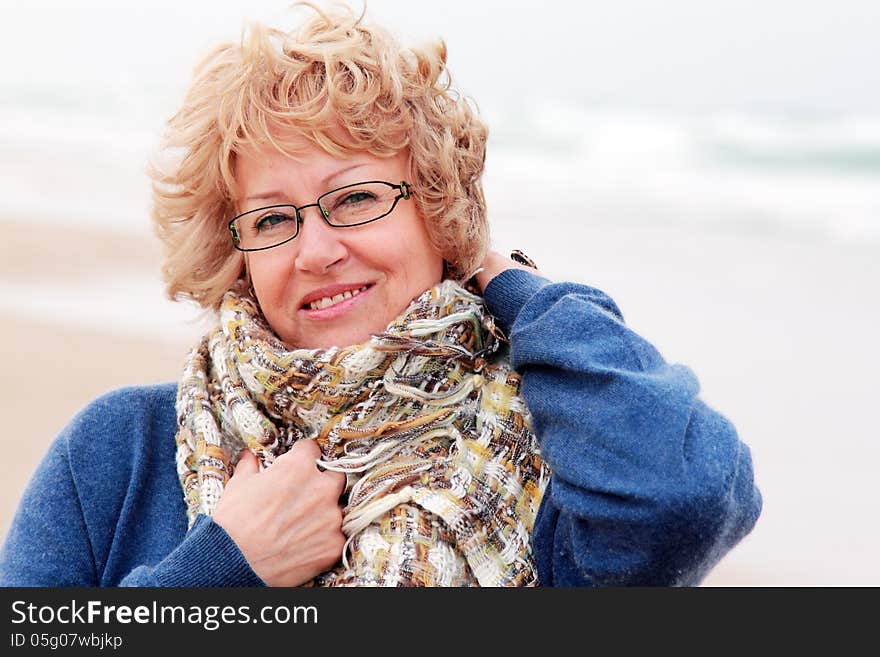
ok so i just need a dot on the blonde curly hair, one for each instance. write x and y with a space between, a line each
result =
347 87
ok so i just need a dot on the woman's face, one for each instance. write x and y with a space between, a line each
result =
391 258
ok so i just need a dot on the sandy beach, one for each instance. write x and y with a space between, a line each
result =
781 333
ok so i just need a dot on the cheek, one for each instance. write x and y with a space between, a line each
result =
412 258
425 259
268 275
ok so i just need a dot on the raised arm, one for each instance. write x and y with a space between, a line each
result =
650 486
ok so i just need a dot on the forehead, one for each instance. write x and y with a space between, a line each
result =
268 174
258 167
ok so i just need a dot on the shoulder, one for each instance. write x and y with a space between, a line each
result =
124 420
131 403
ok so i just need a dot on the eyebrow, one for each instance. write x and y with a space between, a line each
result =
264 196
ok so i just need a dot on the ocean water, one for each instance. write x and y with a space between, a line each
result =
77 156
816 176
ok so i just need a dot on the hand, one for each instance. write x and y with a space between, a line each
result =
495 263
286 520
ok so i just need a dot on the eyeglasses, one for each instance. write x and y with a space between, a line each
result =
346 207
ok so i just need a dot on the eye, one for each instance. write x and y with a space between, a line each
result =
353 198
273 220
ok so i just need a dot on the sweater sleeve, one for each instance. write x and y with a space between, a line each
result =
83 510
189 565
649 485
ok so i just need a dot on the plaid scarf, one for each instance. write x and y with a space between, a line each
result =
444 477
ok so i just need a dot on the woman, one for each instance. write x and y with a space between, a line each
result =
357 416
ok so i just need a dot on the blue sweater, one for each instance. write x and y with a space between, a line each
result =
649 486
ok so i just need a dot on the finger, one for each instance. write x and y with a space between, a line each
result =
338 478
307 448
333 475
301 459
247 464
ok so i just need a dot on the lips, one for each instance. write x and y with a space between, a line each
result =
330 296
324 302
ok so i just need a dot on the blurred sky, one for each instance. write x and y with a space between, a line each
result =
793 55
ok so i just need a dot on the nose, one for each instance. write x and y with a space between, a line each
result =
320 246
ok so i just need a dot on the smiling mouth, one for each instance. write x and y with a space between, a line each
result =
326 302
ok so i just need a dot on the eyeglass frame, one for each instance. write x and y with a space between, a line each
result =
405 193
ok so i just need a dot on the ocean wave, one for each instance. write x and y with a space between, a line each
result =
803 174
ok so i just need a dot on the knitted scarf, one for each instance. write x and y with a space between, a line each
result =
444 477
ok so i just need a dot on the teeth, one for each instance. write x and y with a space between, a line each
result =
318 304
